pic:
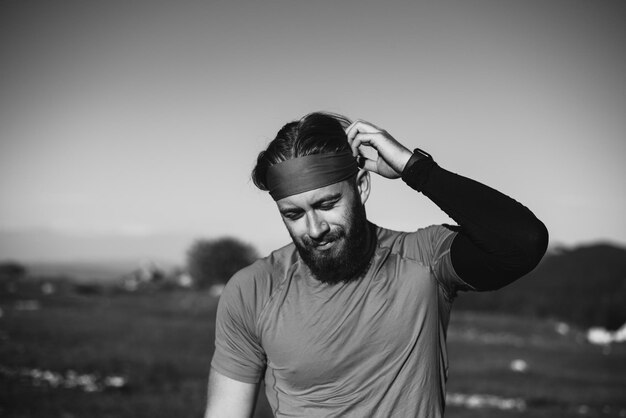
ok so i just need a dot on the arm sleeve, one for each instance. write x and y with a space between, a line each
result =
238 352
498 239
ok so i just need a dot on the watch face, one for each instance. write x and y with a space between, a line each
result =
422 154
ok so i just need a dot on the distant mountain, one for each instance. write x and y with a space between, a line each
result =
584 285
42 245
96 271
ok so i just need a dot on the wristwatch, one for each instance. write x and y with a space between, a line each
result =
417 169
419 154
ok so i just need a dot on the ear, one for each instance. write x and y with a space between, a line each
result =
363 184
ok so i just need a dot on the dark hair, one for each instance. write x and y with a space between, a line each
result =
315 133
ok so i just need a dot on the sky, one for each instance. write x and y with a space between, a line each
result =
129 129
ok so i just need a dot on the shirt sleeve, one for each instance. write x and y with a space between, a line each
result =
238 351
433 245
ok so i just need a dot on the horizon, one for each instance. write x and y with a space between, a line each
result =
163 249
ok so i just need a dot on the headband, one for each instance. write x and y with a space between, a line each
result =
310 172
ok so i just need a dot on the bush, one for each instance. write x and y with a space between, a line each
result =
583 285
12 271
212 262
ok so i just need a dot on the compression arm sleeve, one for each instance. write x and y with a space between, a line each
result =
498 241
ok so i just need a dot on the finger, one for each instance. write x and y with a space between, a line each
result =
351 127
351 131
360 126
369 165
369 139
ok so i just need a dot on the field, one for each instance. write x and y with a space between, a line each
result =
97 353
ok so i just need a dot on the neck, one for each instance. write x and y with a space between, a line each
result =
370 247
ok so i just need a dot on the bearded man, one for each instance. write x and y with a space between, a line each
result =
350 319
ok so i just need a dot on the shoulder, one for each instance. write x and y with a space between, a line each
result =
430 247
255 284
423 245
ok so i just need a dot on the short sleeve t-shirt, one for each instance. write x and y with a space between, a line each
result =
373 347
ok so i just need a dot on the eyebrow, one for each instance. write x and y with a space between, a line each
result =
318 202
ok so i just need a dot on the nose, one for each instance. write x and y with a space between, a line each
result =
317 226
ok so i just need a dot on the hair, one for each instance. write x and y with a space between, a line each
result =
315 133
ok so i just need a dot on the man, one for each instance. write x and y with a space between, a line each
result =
350 319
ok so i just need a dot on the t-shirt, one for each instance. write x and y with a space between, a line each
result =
372 347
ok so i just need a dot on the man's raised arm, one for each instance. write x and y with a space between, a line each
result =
229 398
498 241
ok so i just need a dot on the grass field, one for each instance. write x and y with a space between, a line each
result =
113 354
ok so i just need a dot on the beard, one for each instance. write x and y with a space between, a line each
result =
348 258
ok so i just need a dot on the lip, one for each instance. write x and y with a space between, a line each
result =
325 245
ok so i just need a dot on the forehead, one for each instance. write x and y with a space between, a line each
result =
310 198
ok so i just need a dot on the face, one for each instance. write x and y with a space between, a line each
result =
329 228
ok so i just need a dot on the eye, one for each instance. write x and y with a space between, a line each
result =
292 215
328 205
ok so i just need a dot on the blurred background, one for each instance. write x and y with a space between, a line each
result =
128 131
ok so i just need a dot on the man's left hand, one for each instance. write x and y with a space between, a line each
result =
392 156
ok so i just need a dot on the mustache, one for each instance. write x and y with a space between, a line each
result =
330 236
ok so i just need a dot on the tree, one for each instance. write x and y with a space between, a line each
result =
212 262
11 271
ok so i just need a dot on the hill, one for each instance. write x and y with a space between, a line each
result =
584 285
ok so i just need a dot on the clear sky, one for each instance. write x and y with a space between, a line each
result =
139 122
